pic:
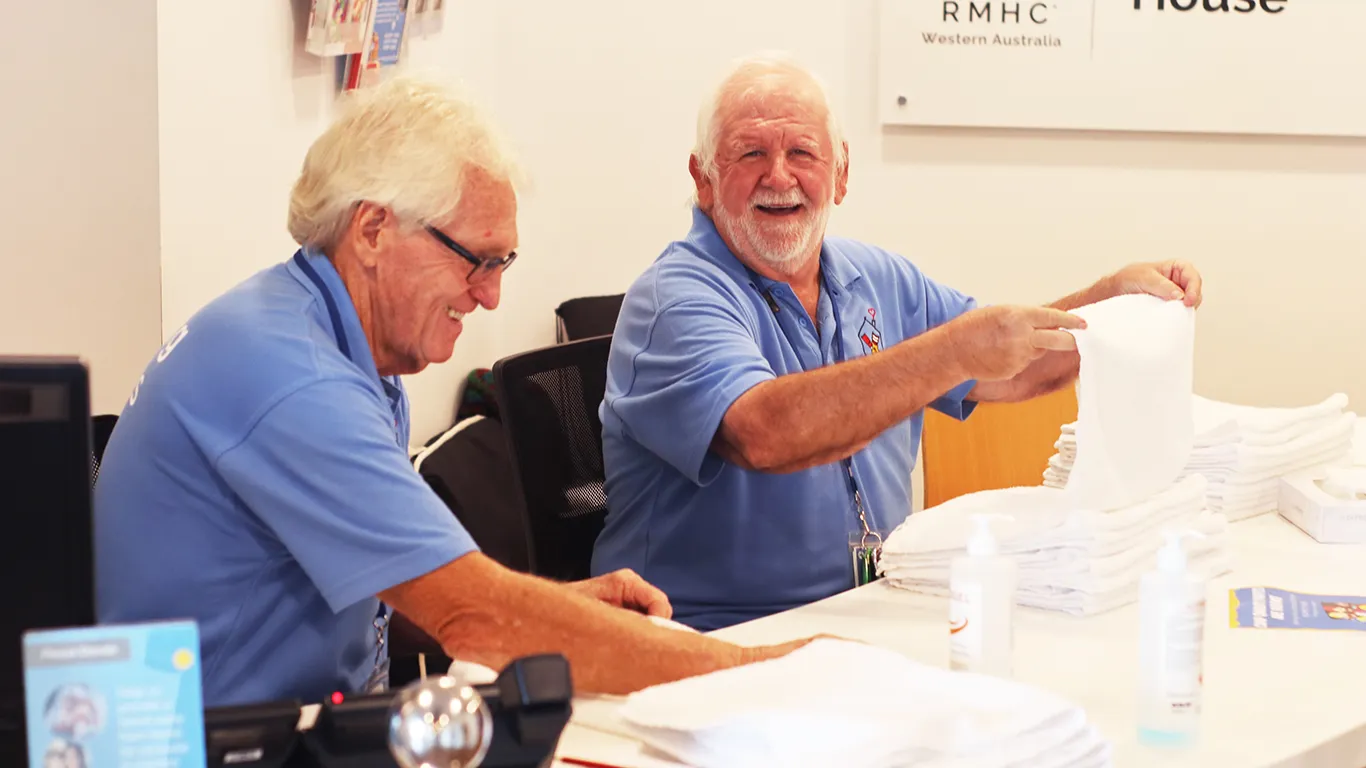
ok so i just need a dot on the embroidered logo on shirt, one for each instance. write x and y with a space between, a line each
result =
868 334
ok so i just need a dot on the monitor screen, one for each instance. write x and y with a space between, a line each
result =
45 507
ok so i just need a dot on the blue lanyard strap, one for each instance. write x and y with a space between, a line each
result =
870 537
382 614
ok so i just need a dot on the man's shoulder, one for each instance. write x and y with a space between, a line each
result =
244 352
683 272
262 328
883 267
867 256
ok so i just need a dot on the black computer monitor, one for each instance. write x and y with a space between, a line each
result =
46 530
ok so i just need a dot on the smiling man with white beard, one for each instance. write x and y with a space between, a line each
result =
766 382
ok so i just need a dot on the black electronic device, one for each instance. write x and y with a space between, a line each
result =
46 549
252 735
530 702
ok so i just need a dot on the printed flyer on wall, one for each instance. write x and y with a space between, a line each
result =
119 695
1272 608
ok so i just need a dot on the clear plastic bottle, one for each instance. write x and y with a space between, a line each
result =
982 605
1171 647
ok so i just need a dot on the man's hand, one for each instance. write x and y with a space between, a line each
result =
996 343
625 589
1170 280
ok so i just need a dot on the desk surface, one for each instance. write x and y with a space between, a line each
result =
1273 698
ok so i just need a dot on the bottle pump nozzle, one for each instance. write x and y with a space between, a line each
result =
982 542
1172 555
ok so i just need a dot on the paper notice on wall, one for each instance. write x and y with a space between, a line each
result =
1134 426
338 27
390 22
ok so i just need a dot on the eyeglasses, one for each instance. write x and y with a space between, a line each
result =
482 269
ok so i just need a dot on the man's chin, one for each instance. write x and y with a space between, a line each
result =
786 261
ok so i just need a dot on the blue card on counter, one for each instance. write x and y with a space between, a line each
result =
119 696
1271 608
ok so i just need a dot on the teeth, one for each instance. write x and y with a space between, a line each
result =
452 314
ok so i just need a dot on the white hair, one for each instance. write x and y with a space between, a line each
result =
405 144
759 72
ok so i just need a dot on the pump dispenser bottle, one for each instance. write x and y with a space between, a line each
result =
982 604
1171 647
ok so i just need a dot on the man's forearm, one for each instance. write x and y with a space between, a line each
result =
1097 291
1049 373
484 613
807 419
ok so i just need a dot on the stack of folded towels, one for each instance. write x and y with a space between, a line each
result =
819 707
1078 561
1243 451
1359 443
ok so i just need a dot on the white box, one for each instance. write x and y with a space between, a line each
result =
1325 517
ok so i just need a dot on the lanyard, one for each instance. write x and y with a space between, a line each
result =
870 543
381 622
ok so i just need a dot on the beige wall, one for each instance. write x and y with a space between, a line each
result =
79 264
601 96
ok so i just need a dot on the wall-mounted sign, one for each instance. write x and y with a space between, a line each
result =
1223 66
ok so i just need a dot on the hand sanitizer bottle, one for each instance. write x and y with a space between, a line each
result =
1171 647
982 605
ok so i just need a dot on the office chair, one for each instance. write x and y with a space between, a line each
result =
101 427
1001 445
586 317
549 401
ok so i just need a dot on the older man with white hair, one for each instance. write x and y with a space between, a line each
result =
766 382
258 480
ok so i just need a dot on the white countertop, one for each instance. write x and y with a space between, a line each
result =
1272 698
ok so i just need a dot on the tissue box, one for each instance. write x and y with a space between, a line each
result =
1327 518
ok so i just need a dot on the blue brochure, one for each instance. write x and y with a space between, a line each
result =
114 696
1271 608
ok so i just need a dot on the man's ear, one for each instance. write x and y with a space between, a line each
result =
369 227
706 195
842 178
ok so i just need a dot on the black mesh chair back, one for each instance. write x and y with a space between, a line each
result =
549 401
101 427
586 317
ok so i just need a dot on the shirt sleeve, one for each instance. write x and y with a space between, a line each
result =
323 470
693 360
942 304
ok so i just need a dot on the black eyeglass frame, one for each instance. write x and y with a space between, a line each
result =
484 268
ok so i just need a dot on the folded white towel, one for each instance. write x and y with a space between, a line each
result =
803 710
1095 598
1070 567
1331 433
1213 414
1040 516
1359 442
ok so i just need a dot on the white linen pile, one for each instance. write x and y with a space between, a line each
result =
1082 549
1359 443
835 702
1243 450
1077 561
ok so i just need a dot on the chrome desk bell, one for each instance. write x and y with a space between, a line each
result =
440 722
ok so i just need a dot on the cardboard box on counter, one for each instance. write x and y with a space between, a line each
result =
1328 518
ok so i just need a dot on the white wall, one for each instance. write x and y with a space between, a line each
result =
601 98
79 268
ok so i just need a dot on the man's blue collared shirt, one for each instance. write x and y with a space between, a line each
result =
695 332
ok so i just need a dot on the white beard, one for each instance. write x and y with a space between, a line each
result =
796 240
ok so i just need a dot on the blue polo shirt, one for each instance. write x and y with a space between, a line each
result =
695 332
258 482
